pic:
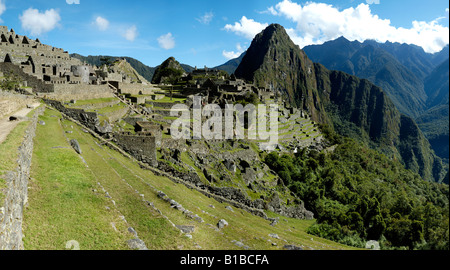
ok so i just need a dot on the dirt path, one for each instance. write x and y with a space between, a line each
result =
7 126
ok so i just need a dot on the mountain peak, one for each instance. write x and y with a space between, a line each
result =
273 31
163 71
274 62
273 28
342 39
264 47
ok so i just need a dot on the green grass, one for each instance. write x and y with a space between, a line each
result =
9 148
92 101
110 109
62 205
167 99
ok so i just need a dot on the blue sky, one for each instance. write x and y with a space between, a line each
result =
210 33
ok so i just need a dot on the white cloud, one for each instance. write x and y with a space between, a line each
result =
246 27
131 33
233 54
70 2
166 41
319 22
101 23
38 23
2 8
206 18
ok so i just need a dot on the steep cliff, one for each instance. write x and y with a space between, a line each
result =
354 107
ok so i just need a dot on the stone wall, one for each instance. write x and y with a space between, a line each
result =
36 84
19 48
11 213
12 102
141 147
89 119
58 91
136 89
65 92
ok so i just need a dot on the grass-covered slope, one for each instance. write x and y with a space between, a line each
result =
97 197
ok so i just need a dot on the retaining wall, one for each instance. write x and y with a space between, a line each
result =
16 194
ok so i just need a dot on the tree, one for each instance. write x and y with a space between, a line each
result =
106 61
10 82
171 76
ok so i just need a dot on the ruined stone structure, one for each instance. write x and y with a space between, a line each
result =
49 70
140 146
45 62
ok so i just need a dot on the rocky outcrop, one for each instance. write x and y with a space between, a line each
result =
168 70
337 99
88 119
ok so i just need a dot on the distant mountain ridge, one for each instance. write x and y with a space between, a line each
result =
434 122
355 107
416 81
231 65
398 68
144 70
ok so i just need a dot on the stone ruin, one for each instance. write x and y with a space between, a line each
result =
46 69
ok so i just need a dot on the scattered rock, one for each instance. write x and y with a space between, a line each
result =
137 244
161 194
42 123
132 231
229 208
240 244
274 235
74 143
274 222
222 224
292 247
186 228
230 165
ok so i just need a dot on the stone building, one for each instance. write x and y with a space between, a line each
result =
51 70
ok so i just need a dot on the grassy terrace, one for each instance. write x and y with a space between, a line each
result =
67 203
92 101
167 99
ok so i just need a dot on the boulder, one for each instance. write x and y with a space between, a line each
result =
222 224
292 247
76 146
230 165
137 244
186 228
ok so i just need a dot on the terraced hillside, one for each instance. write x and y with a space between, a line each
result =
103 199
